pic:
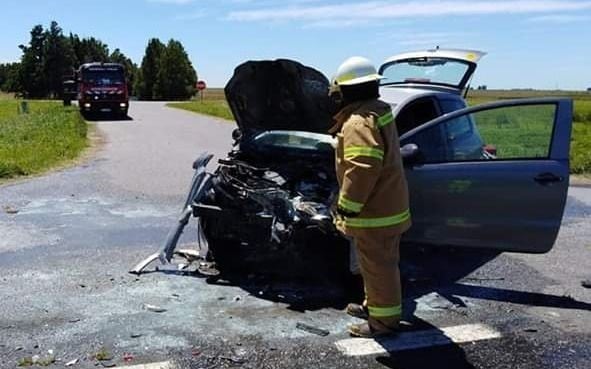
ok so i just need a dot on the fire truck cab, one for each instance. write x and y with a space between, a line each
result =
102 87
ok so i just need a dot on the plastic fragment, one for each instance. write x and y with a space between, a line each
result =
313 330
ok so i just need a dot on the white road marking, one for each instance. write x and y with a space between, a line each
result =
161 365
417 339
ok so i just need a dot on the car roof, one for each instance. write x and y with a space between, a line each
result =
400 96
472 56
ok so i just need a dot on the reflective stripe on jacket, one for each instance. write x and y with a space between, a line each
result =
369 169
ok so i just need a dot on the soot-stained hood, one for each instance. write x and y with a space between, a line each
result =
279 95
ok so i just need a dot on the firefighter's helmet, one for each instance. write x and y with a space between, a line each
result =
356 70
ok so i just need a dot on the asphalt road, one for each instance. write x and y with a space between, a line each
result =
69 238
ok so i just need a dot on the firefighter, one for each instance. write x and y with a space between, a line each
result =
372 207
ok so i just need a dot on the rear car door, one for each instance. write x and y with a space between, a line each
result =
492 176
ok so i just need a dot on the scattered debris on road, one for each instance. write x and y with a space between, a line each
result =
10 210
154 308
483 279
25 361
108 364
313 330
37 360
135 335
71 362
586 283
127 357
103 355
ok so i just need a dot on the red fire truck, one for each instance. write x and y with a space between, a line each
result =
102 87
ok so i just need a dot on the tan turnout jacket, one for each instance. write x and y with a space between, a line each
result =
369 170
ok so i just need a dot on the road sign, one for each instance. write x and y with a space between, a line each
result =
201 85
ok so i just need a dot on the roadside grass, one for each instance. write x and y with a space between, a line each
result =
45 137
6 95
216 108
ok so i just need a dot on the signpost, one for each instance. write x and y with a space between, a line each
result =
201 86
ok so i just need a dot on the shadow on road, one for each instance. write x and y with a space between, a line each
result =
110 117
424 270
519 297
450 356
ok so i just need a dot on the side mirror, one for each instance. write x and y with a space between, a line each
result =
410 153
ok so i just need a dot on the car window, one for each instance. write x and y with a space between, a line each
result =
506 133
518 132
425 70
416 113
451 105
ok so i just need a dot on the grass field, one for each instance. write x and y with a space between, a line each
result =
213 103
581 135
45 137
215 108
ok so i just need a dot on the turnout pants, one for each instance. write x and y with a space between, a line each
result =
379 256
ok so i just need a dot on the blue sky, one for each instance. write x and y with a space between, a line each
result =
539 44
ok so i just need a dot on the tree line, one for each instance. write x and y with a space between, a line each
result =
165 72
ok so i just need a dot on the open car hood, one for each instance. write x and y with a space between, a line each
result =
279 95
450 69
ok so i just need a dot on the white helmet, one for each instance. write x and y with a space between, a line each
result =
356 70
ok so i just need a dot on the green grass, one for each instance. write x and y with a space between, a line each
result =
216 108
45 137
518 132
580 156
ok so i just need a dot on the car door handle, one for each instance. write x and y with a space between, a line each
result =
547 178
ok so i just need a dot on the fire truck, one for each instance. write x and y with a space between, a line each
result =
102 87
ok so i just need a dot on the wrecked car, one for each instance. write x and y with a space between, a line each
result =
490 176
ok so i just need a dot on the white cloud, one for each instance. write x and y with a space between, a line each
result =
337 23
177 2
559 18
387 10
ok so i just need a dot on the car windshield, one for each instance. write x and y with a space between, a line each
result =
103 77
294 140
439 71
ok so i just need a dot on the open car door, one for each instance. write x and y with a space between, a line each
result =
491 176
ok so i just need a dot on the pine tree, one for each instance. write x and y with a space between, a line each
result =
89 50
12 82
31 74
130 67
148 72
176 76
58 59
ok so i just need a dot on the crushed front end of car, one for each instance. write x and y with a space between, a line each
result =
267 205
